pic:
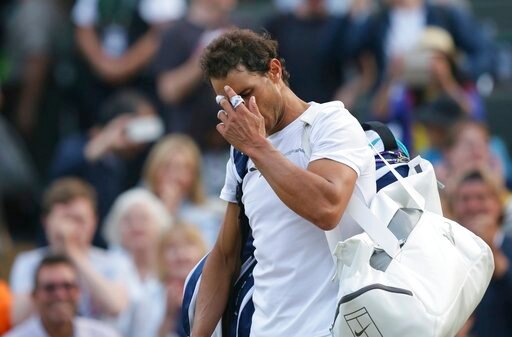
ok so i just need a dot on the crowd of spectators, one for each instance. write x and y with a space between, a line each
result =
111 166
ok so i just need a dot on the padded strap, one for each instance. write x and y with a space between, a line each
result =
385 134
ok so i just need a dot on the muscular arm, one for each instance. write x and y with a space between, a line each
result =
319 194
217 277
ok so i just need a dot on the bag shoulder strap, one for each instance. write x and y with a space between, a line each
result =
356 208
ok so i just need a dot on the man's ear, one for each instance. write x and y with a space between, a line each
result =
275 70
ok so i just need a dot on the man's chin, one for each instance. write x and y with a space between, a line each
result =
61 312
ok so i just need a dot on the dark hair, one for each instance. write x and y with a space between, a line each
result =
240 47
51 260
125 101
64 190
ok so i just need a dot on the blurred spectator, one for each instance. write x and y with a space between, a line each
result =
468 150
134 228
427 72
181 249
190 105
304 36
173 173
395 30
439 118
55 296
118 40
69 222
111 154
477 202
320 50
5 307
32 32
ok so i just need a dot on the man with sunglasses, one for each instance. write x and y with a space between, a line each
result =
55 297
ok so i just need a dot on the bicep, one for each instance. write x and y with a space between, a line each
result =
341 177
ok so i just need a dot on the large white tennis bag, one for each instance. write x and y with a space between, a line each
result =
422 276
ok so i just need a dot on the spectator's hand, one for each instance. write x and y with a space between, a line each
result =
171 196
63 233
442 73
243 126
483 226
174 298
112 70
111 138
396 69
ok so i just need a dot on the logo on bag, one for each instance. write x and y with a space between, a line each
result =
361 324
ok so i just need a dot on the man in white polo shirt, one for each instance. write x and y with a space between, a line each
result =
55 298
291 195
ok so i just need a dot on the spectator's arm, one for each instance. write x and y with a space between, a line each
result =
360 84
22 308
120 69
174 85
34 76
110 296
20 283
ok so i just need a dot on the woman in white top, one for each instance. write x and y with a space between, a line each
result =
173 173
133 228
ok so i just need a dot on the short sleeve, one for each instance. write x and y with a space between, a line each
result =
228 192
22 274
85 13
158 11
337 135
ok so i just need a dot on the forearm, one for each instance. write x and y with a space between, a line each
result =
111 297
316 198
89 44
33 81
176 84
380 104
140 54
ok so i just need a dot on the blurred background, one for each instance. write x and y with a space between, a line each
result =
108 147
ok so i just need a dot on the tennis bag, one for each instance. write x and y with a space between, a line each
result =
413 271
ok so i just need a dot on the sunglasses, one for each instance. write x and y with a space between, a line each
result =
51 288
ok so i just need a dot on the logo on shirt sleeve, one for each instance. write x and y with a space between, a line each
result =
361 324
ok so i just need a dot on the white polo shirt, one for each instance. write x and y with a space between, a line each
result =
83 327
293 294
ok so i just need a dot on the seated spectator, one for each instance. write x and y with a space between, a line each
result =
5 307
421 76
181 248
438 119
56 295
477 204
396 28
69 218
111 154
468 149
173 173
118 40
133 228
